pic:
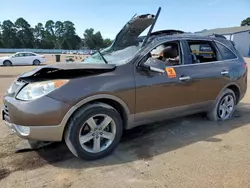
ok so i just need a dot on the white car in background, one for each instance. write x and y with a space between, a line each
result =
22 58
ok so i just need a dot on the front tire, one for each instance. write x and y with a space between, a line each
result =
7 63
224 106
94 131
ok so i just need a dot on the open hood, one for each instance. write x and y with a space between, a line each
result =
132 29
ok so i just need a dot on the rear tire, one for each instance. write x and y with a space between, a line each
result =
90 138
36 62
224 106
7 63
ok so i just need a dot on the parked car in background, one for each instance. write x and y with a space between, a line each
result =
91 52
90 104
80 52
86 52
22 58
69 58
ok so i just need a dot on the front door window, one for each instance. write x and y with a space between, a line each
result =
168 53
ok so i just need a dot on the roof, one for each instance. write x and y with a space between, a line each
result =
25 52
176 35
227 30
196 36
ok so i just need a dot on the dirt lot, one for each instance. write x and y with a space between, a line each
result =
184 152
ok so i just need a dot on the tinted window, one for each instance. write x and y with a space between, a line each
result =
29 54
168 53
202 51
225 52
19 55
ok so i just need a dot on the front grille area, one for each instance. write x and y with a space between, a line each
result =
5 114
13 89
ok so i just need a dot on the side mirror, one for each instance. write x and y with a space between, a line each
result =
154 69
153 65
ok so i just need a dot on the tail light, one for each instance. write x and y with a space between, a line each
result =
244 65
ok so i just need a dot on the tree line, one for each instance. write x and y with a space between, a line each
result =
245 22
51 35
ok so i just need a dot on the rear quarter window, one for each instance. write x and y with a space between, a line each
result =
225 52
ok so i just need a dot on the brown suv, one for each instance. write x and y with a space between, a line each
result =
135 81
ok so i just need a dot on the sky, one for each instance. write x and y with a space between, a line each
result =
109 16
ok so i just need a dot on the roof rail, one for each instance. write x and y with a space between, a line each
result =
217 35
166 32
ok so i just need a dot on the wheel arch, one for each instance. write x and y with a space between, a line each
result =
111 100
236 91
235 88
8 61
212 112
36 60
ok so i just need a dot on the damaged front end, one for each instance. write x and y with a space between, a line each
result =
65 71
41 81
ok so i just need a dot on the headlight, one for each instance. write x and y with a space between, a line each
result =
39 89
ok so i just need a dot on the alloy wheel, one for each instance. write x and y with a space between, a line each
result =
36 62
97 133
226 107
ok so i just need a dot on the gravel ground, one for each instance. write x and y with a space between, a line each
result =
184 152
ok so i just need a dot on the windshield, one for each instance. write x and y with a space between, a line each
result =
117 57
12 55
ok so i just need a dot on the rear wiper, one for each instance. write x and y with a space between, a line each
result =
98 51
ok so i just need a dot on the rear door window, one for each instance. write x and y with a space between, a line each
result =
225 52
202 51
29 54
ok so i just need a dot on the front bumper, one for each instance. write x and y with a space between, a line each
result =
41 119
41 133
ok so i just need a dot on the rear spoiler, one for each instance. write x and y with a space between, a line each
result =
221 36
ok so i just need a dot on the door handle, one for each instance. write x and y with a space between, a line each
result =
224 72
184 78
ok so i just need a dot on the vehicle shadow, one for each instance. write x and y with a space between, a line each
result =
148 141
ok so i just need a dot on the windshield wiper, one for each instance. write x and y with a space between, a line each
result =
98 51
